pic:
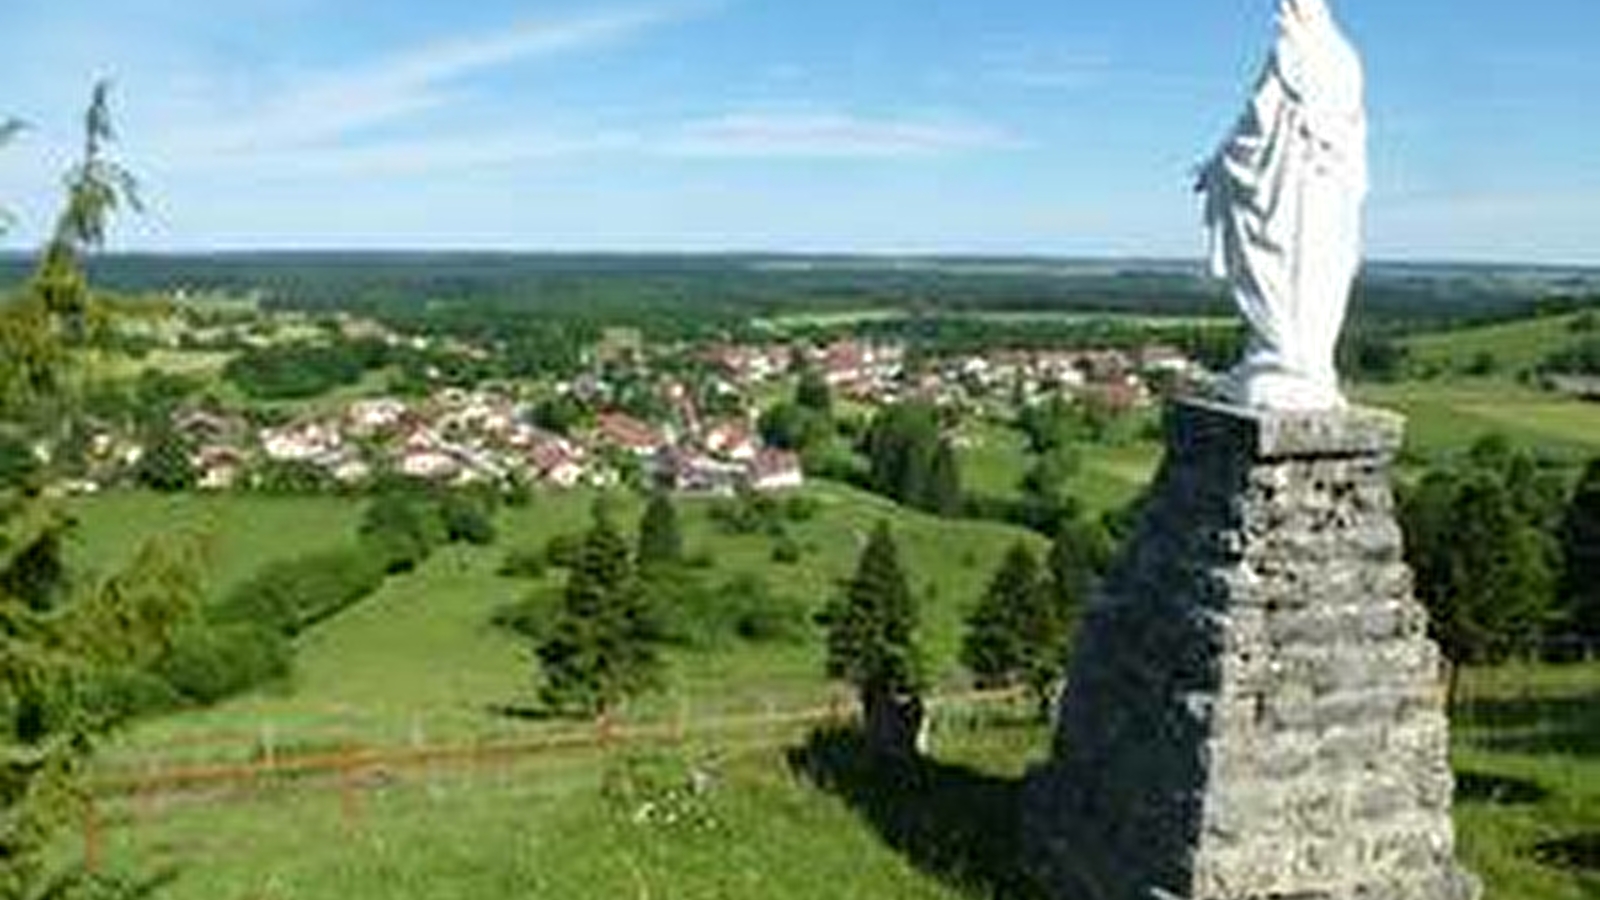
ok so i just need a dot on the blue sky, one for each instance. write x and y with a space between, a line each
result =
984 126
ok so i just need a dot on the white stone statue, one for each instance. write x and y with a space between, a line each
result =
1283 200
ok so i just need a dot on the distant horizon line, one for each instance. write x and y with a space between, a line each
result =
883 256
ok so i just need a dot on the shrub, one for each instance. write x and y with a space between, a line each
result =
563 550
401 530
531 616
467 520
759 616
123 694
524 564
786 551
800 508
209 663
292 595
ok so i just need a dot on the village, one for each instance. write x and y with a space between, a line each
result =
698 428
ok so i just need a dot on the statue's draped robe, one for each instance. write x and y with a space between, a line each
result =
1283 207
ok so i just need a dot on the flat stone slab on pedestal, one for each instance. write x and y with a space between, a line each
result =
1275 434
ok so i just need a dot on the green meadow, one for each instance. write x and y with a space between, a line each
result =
792 816
422 653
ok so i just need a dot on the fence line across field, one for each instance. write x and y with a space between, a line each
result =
153 776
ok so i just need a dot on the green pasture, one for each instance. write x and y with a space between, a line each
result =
1514 346
236 534
625 822
1448 416
203 364
421 656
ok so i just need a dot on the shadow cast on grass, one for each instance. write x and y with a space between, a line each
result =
1580 853
958 825
1554 725
1498 790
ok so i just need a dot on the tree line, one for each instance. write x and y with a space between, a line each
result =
1506 553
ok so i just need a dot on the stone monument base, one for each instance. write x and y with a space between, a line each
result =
1254 710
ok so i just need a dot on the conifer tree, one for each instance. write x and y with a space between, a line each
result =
871 641
1079 556
1018 632
60 643
660 539
1580 540
942 495
602 647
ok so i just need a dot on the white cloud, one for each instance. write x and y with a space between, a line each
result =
330 108
830 135
432 155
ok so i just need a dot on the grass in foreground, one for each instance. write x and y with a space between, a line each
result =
803 818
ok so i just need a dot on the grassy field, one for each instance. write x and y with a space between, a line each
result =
1448 416
798 818
422 654
193 363
238 534
1528 769
1514 347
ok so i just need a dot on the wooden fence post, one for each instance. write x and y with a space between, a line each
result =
349 799
92 838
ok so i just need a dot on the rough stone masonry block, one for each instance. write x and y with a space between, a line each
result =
1254 709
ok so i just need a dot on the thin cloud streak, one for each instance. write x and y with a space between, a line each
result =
829 135
333 107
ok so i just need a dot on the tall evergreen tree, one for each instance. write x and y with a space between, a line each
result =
871 640
1580 543
943 496
1079 557
660 539
1017 634
602 647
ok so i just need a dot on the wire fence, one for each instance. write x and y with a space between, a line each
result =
137 790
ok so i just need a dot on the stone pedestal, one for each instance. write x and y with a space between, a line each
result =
1254 710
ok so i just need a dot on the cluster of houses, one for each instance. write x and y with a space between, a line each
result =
460 437
701 438
876 374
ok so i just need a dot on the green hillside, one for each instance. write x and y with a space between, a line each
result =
422 653
1513 347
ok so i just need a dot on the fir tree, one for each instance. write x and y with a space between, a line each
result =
1079 557
602 647
1019 631
943 496
996 646
59 646
660 540
1580 544
871 638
